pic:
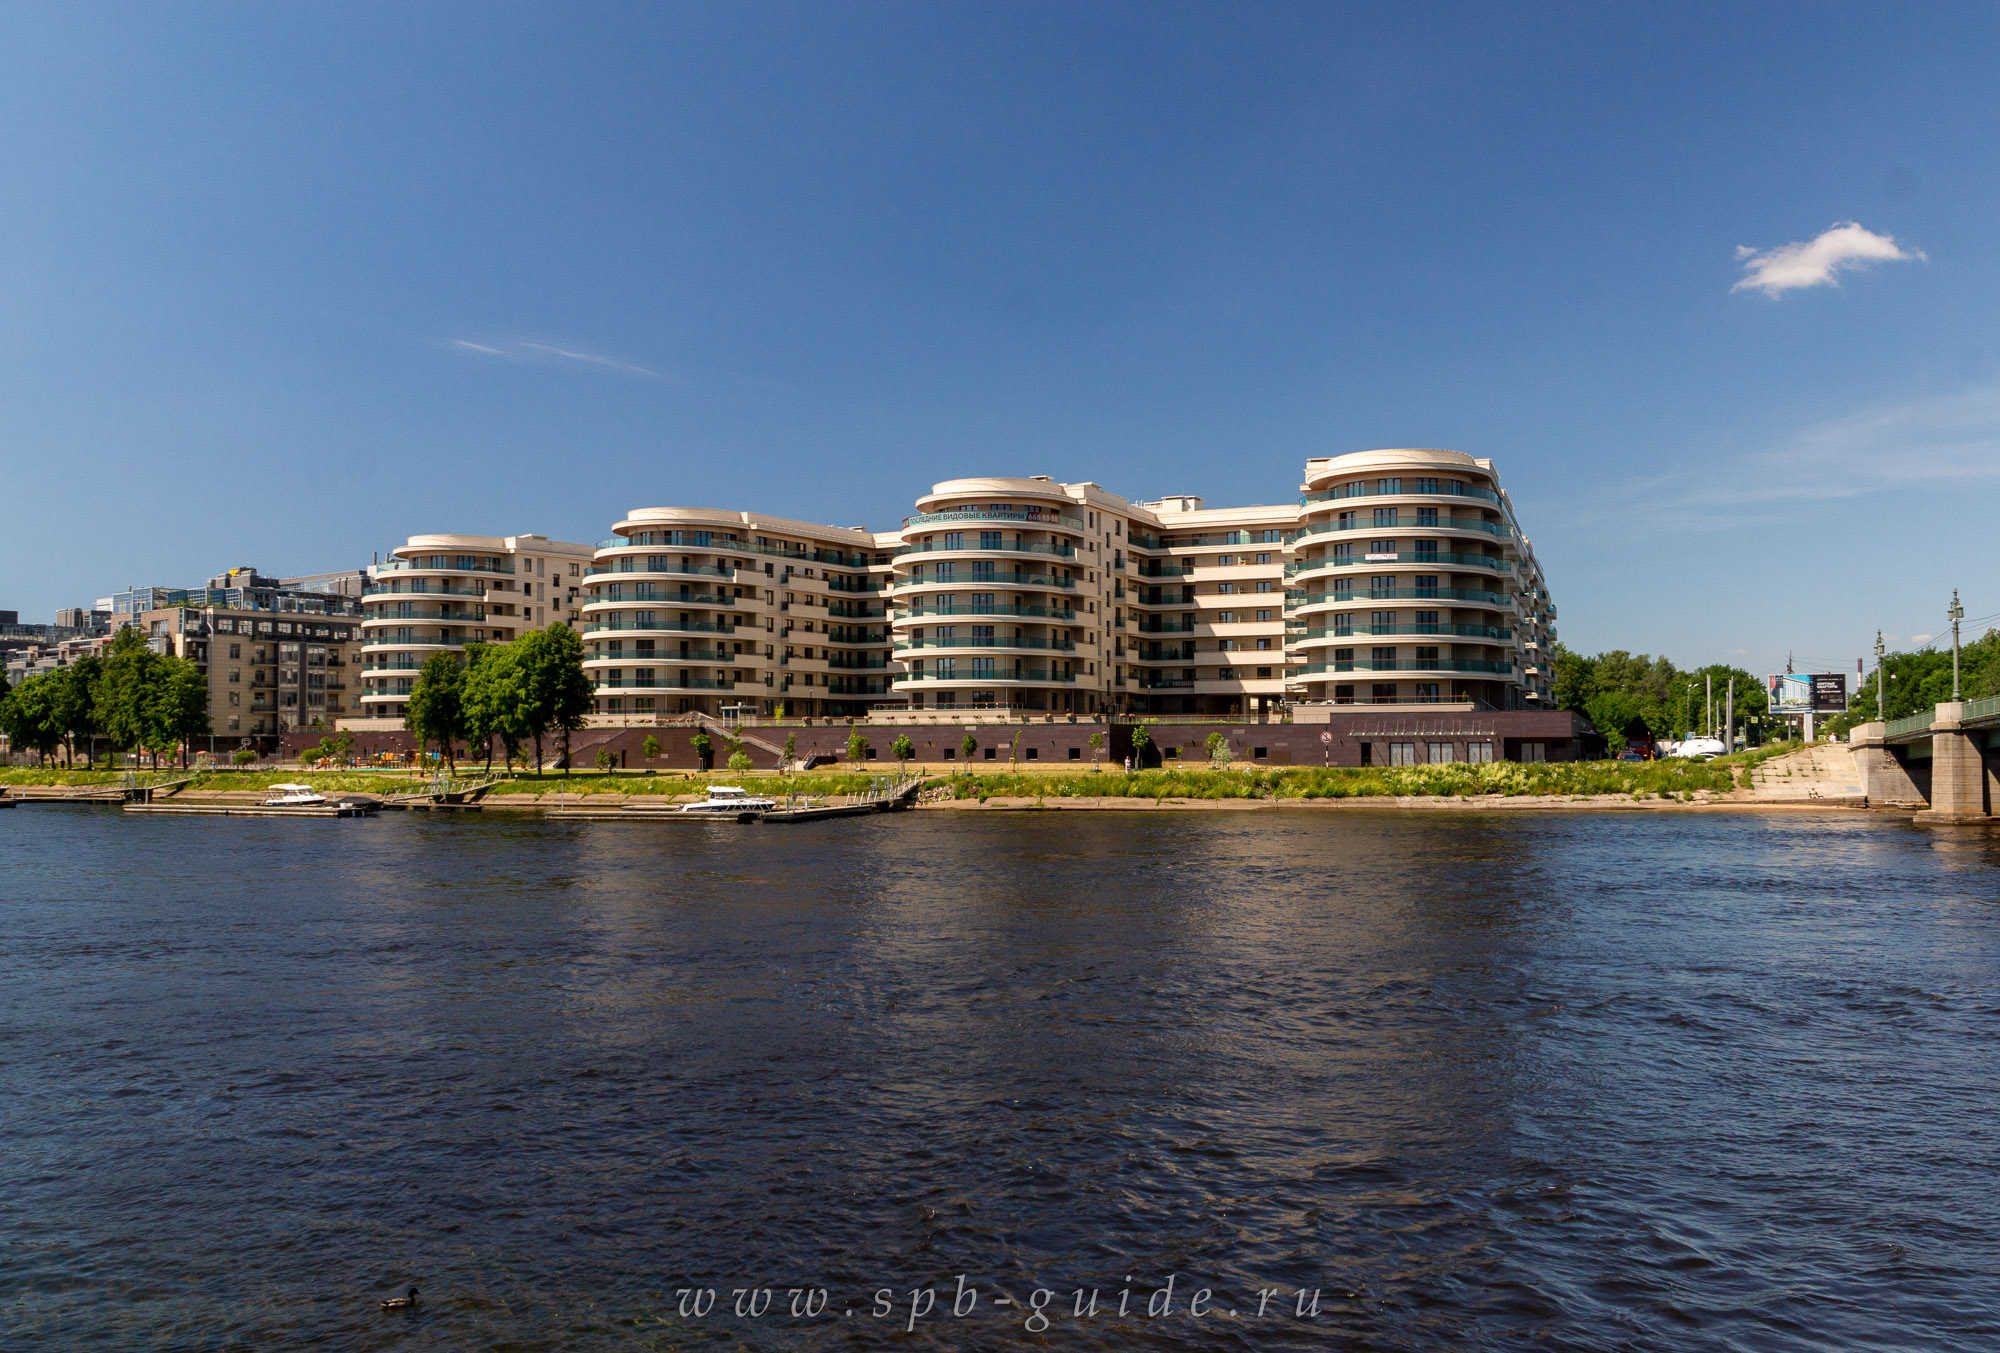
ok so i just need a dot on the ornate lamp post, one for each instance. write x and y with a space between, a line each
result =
1957 614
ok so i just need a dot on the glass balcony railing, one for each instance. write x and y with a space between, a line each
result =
1047 612
595 625
666 657
450 565
956 579
388 615
1001 676
1406 665
1406 489
688 684
1027 516
616 597
1469 594
971 547
1490 633
1402 522
1441 559
416 588
698 570
1059 645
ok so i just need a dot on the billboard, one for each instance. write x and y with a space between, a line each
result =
1790 694
1829 692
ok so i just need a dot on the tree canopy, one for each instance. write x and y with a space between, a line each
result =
1626 695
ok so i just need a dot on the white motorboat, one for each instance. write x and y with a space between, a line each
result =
730 801
295 796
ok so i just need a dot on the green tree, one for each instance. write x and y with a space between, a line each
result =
969 745
1142 741
791 747
179 706
496 699
605 757
902 748
79 705
1096 741
704 748
437 705
650 748
150 701
31 716
857 745
1218 749
739 760
1014 747
556 692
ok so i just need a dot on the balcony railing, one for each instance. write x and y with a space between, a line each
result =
661 599
1401 523
1368 490
1406 665
1039 674
1492 633
964 547
594 625
450 565
1441 559
1186 626
468 615
1047 612
419 641
1151 570
1028 516
689 684
955 579
700 570
416 588
1059 645
1474 595
665 658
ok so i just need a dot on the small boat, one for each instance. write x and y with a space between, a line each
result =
1699 749
731 801
296 796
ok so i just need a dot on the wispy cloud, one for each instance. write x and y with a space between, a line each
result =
1816 262
1939 445
524 351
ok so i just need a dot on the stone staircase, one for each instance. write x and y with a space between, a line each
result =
1822 773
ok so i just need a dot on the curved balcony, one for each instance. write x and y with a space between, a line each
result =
1047 520
1482 665
688 570
666 656
1441 559
1303 601
1475 525
1001 547
1487 633
1056 614
467 615
1368 489
1016 676
451 566
416 588
383 641
708 599
1014 581
950 645
593 626
666 684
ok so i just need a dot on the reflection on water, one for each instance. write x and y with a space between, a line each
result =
1573 1081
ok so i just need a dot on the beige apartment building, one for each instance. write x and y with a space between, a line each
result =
438 593
268 672
1399 578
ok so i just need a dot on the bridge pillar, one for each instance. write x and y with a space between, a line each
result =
1885 778
1958 770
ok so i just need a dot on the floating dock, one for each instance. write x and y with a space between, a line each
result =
255 810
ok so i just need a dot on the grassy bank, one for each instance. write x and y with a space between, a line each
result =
1661 779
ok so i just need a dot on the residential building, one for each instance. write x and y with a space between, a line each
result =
268 671
1398 578
697 609
438 593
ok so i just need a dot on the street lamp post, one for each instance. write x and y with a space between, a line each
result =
1957 614
1881 681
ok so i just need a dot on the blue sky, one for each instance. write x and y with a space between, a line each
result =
282 285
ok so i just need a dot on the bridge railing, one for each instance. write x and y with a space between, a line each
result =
1981 709
1908 724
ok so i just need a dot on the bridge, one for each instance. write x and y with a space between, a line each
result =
1945 761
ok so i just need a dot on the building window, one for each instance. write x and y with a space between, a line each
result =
1381 655
1385 692
1440 753
1402 753
1343 695
1427 692
1479 752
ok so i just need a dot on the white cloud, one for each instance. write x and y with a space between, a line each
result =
1815 262
525 352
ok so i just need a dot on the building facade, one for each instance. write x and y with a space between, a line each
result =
269 672
438 593
1398 578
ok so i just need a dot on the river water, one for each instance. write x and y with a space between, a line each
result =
1567 1081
